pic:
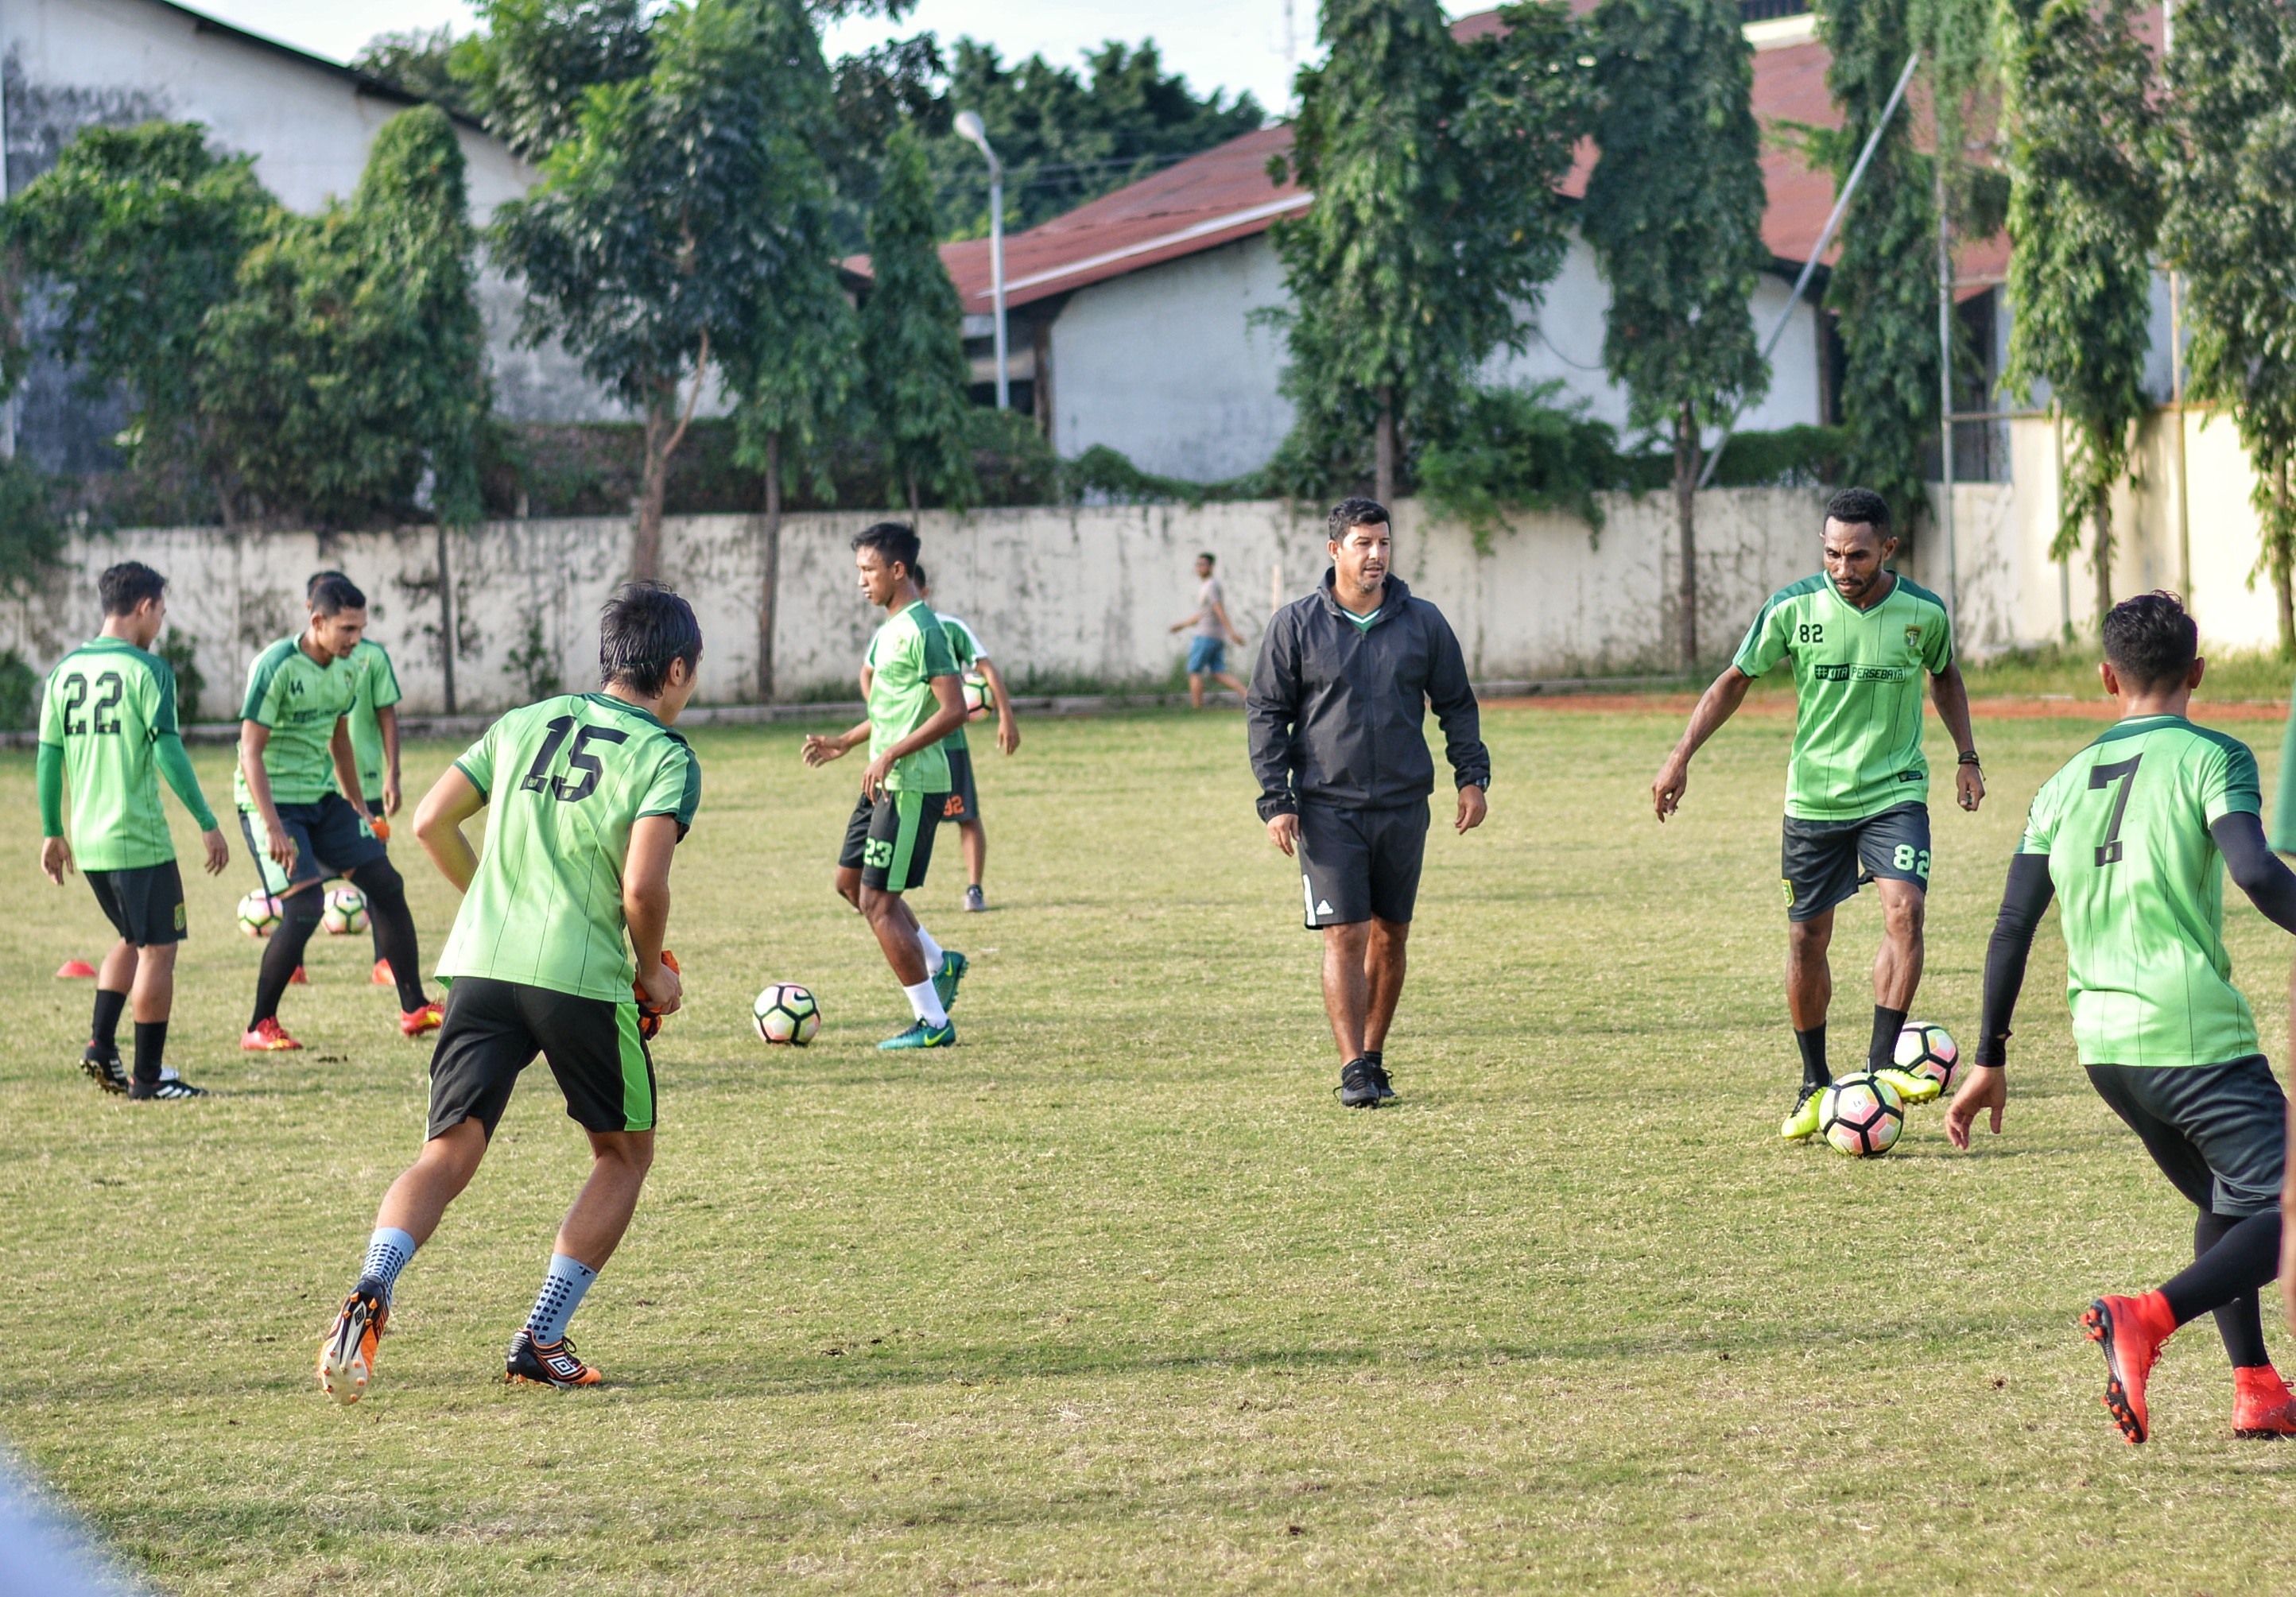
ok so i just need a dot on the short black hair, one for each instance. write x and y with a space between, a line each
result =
1855 507
334 594
1208 558
644 628
127 585
918 575
312 587
895 542
1355 513
2151 641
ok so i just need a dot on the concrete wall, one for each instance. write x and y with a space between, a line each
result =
1071 592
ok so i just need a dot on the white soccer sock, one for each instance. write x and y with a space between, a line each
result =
934 958
926 1002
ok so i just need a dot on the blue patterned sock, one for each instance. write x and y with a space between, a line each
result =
561 1296
388 1251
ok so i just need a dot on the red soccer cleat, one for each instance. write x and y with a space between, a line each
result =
2262 1406
414 1022
266 1036
2131 1331
382 978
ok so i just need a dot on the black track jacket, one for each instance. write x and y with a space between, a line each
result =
1337 715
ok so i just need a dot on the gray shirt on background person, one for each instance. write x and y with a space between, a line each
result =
1210 607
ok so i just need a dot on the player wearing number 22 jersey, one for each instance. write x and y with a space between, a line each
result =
1863 642
2132 839
558 939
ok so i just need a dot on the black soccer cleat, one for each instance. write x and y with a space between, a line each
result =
1378 1064
102 1067
1359 1084
545 1364
170 1088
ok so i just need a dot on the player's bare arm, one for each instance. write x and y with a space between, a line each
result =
820 748
387 720
1008 725
1219 613
55 859
1716 705
948 694
438 827
1950 694
253 735
646 907
1473 806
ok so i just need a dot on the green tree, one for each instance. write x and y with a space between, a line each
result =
348 374
1884 283
1674 214
2085 205
140 232
645 245
529 69
914 378
1438 220
2231 229
419 62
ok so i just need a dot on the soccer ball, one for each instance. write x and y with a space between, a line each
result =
786 1012
1927 1050
1861 1115
977 698
259 913
345 911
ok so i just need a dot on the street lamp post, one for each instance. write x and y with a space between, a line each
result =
969 127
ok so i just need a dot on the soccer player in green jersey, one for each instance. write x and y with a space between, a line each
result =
560 931
374 745
108 724
915 701
972 662
302 813
1860 639
2132 838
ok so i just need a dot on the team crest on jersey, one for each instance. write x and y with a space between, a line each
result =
1912 638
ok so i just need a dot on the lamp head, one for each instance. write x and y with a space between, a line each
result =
970 129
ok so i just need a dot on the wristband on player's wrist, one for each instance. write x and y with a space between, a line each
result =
1968 757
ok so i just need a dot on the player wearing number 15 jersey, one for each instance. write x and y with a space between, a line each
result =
1860 639
2132 838
588 795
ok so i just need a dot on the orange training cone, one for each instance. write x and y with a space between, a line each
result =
299 979
382 978
75 970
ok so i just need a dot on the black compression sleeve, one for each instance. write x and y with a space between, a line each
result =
2023 902
2256 870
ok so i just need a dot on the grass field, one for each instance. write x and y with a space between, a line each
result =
1113 1296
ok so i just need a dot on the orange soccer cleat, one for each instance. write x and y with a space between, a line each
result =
545 1364
414 1022
2130 1331
2262 1406
266 1036
347 1357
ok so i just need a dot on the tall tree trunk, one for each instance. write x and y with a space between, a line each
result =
2101 519
769 599
916 500
653 486
1686 464
446 630
2283 534
1383 477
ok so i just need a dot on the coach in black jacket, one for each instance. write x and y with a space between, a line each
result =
1337 712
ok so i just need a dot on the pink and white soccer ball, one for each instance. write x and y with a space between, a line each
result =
786 1013
1861 1115
1927 1050
259 913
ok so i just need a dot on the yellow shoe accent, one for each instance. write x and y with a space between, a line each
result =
1803 1121
1912 1087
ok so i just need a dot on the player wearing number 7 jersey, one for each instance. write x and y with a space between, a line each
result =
588 795
2132 838
1860 639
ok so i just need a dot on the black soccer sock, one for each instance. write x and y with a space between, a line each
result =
2240 1322
299 918
104 1031
1812 1044
2246 1254
393 928
150 1045
1881 1052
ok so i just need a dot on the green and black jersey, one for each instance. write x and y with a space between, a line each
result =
907 653
1858 674
299 698
2140 891
108 729
377 689
564 780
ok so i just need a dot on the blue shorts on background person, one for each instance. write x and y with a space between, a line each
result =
1206 657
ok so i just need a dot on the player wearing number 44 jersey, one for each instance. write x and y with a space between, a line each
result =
2132 838
1860 639
108 724
561 927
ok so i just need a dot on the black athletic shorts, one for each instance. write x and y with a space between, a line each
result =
330 839
1359 863
2218 1132
492 1031
964 802
891 838
144 903
1822 862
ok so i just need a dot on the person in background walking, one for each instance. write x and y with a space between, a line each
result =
1208 649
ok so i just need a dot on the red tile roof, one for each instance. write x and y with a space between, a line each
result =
1224 196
